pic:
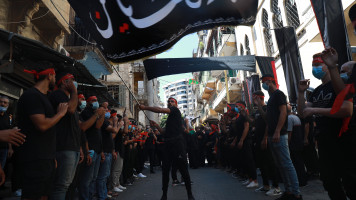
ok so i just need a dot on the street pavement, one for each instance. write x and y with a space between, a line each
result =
209 184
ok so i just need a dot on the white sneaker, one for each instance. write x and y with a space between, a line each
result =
122 187
246 182
116 189
109 196
253 184
274 192
18 193
134 175
140 175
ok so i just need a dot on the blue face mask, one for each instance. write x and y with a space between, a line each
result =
83 104
75 84
344 77
129 126
265 86
107 115
318 72
3 109
133 128
237 109
95 105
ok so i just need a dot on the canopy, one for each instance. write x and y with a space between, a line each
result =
127 30
162 67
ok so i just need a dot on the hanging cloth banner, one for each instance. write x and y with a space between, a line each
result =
254 85
331 22
163 67
290 57
267 66
127 30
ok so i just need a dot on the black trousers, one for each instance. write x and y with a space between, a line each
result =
337 157
267 167
247 160
298 162
193 157
174 152
311 158
151 155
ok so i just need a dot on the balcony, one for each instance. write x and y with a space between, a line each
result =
227 42
208 90
220 101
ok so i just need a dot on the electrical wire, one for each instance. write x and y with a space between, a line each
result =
24 20
71 26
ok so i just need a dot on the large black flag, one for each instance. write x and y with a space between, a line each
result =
267 66
163 67
127 30
331 21
292 65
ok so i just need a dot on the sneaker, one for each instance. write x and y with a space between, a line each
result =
122 187
175 183
18 193
109 196
140 175
253 184
274 192
117 189
246 182
135 175
262 189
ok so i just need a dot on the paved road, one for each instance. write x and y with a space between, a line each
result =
209 184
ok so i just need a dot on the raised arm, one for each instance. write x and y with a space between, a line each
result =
155 109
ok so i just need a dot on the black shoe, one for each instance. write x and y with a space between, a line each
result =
285 196
164 197
190 197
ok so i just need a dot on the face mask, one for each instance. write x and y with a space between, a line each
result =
318 72
129 126
75 84
237 109
83 104
344 77
3 109
95 105
107 115
133 128
265 86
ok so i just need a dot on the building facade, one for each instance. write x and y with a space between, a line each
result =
183 92
260 40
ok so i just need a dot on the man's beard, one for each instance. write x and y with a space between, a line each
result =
51 86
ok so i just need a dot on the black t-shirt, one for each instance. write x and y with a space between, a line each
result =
4 124
150 141
39 145
68 131
309 120
174 125
108 142
260 125
119 143
239 127
93 134
277 98
324 97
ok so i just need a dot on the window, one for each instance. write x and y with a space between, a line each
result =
292 13
183 97
184 101
247 45
185 106
118 92
267 33
276 17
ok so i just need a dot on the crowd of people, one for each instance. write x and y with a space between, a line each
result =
63 145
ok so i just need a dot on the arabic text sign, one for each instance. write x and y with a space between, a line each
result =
128 30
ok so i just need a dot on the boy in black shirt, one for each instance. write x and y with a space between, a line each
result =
278 137
88 178
174 151
68 135
36 119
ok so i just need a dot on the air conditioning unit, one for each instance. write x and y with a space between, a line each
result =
234 80
62 50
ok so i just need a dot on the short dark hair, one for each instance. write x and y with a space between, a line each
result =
41 66
258 92
269 76
352 12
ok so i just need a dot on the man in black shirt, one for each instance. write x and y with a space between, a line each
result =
36 119
174 150
89 175
278 137
150 148
337 152
4 124
68 135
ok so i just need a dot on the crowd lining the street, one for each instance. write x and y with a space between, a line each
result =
63 145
